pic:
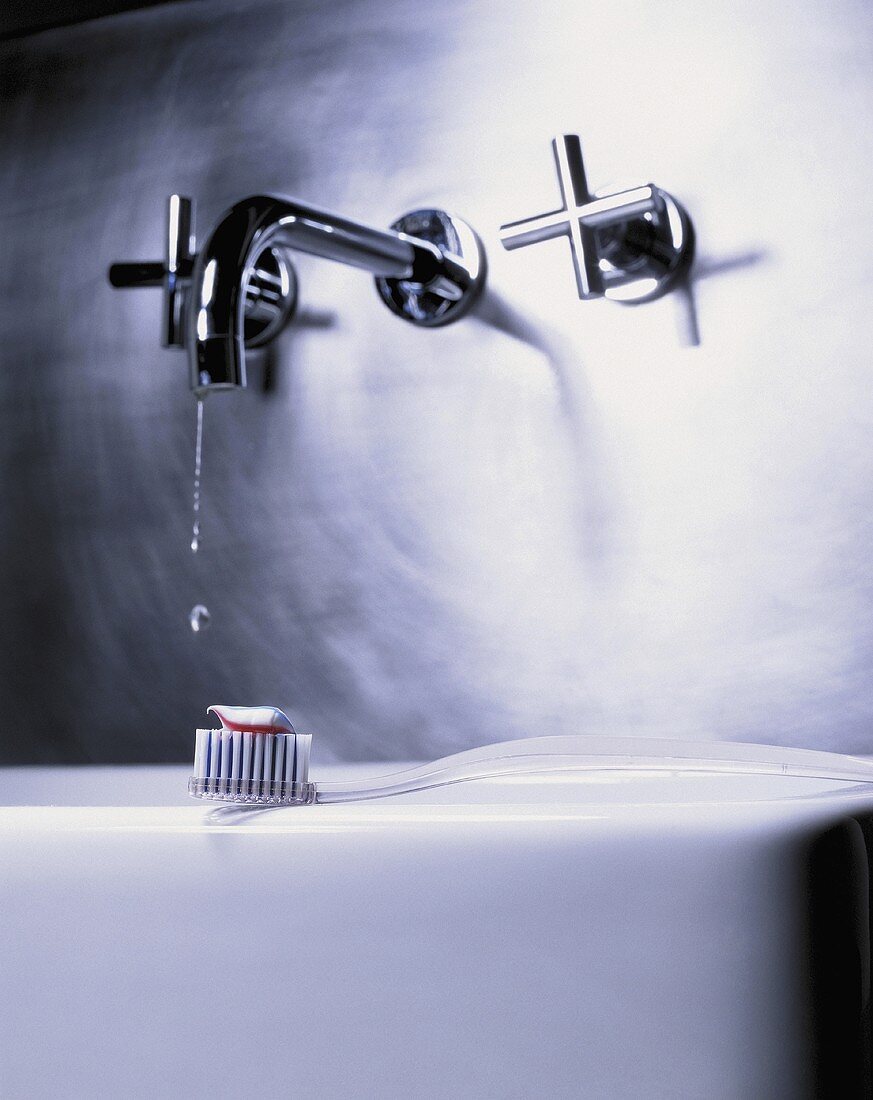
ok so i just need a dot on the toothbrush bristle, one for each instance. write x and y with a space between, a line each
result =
233 765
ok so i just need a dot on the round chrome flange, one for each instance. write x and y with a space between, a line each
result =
270 296
440 299
642 259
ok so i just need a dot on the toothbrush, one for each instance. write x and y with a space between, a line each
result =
257 757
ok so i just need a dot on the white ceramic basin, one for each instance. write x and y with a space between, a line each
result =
612 935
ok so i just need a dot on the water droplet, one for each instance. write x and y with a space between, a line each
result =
199 618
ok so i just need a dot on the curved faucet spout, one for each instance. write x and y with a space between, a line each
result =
215 313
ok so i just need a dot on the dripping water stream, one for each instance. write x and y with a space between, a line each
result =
199 616
198 459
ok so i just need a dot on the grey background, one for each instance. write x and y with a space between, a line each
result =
557 517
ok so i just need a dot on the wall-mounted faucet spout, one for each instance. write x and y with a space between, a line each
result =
429 268
430 278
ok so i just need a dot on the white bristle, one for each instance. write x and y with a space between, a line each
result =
214 757
236 763
246 763
258 758
290 761
226 754
304 745
201 746
267 762
279 758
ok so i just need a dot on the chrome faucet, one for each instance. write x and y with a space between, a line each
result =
240 289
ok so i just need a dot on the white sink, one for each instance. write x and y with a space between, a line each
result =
610 935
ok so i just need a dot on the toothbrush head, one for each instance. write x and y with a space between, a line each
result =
255 758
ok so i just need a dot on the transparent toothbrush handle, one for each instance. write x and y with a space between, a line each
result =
542 755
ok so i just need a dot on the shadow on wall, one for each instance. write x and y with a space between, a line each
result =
688 321
266 363
594 503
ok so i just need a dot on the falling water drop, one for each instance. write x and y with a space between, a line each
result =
199 618
198 455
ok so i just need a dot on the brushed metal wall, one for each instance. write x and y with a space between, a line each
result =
554 517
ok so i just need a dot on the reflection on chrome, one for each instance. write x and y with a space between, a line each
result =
631 245
429 268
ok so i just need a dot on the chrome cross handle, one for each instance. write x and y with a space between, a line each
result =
170 274
630 246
